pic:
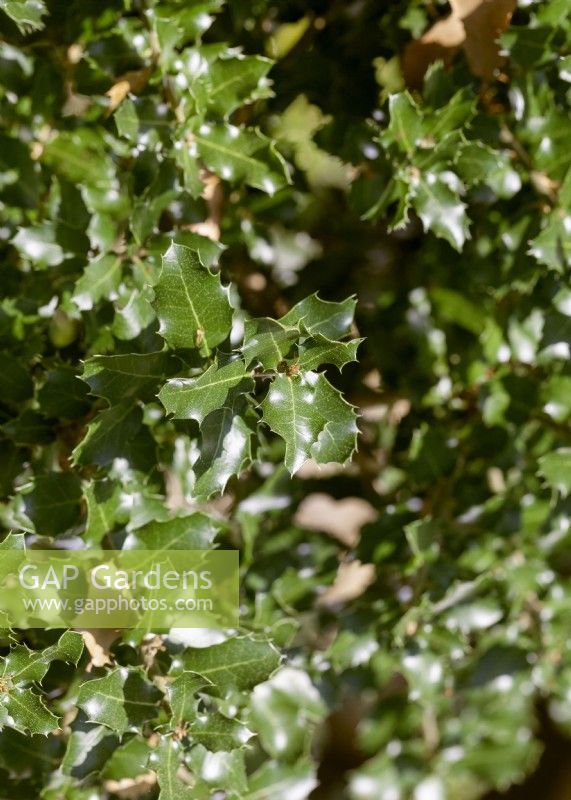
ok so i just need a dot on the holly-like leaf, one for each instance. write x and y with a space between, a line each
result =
237 154
226 449
166 761
23 665
238 663
63 394
182 698
116 432
312 418
24 710
406 121
103 499
318 350
196 531
53 503
13 541
441 210
217 732
267 341
220 770
192 305
116 378
231 82
195 398
283 781
103 700
332 320
27 14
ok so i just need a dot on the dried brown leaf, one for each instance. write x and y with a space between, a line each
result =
473 25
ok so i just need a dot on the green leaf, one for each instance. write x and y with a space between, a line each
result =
231 82
220 770
100 280
441 210
191 303
127 120
63 394
52 504
87 750
552 246
312 418
555 468
103 499
238 663
283 781
195 531
182 698
116 378
267 341
406 121
282 712
13 541
23 665
129 760
318 350
226 449
116 432
16 386
24 710
103 700
217 732
332 320
237 154
27 14
166 761
195 398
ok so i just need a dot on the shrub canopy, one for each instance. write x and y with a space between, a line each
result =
240 241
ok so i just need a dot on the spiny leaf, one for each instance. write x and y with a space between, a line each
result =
231 82
166 761
191 303
441 210
217 732
220 770
116 432
225 451
23 665
318 350
237 663
103 700
311 417
24 710
194 398
121 699
27 14
406 121
116 378
267 341
182 698
195 531
332 320
100 279
236 154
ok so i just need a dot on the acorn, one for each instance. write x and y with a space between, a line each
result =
63 330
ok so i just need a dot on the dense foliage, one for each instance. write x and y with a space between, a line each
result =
238 241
